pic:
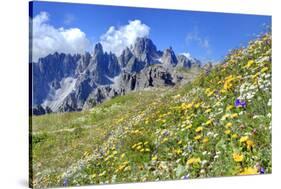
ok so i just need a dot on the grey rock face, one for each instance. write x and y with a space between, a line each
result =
125 57
100 94
64 82
169 58
40 110
47 73
152 76
145 51
185 62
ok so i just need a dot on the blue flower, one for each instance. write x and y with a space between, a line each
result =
185 177
240 103
262 171
65 182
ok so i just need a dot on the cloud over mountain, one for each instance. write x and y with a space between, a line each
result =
117 39
47 39
194 38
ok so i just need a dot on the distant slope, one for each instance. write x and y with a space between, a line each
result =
218 125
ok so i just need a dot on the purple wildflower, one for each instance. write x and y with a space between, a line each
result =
240 103
166 133
262 171
65 182
185 177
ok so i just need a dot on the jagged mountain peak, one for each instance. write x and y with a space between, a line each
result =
187 61
144 49
98 49
169 57
66 82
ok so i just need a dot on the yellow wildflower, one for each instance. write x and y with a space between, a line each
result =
234 136
198 129
197 105
210 93
94 175
249 171
227 131
223 91
120 120
250 63
208 110
102 174
255 76
142 150
264 69
86 153
135 131
120 168
250 144
180 142
154 158
147 150
228 83
185 106
139 147
165 139
123 155
178 151
239 77
229 124
197 137
244 139
193 161
128 168
207 90
208 122
177 96
229 107
205 140
237 157
235 115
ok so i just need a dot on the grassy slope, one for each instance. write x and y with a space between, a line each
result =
172 133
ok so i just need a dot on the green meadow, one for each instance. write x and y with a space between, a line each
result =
219 124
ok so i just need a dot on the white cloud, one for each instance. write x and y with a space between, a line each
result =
117 39
47 39
68 19
194 38
186 54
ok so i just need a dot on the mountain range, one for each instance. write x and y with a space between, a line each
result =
64 82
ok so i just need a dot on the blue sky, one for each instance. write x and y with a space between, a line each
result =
205 35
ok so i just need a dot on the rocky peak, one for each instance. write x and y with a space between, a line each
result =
169 57
125 56
83 63
66 82
188 62
98 50
144 49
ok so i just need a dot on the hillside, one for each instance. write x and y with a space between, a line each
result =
217 125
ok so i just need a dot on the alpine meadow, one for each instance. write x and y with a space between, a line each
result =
139 114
